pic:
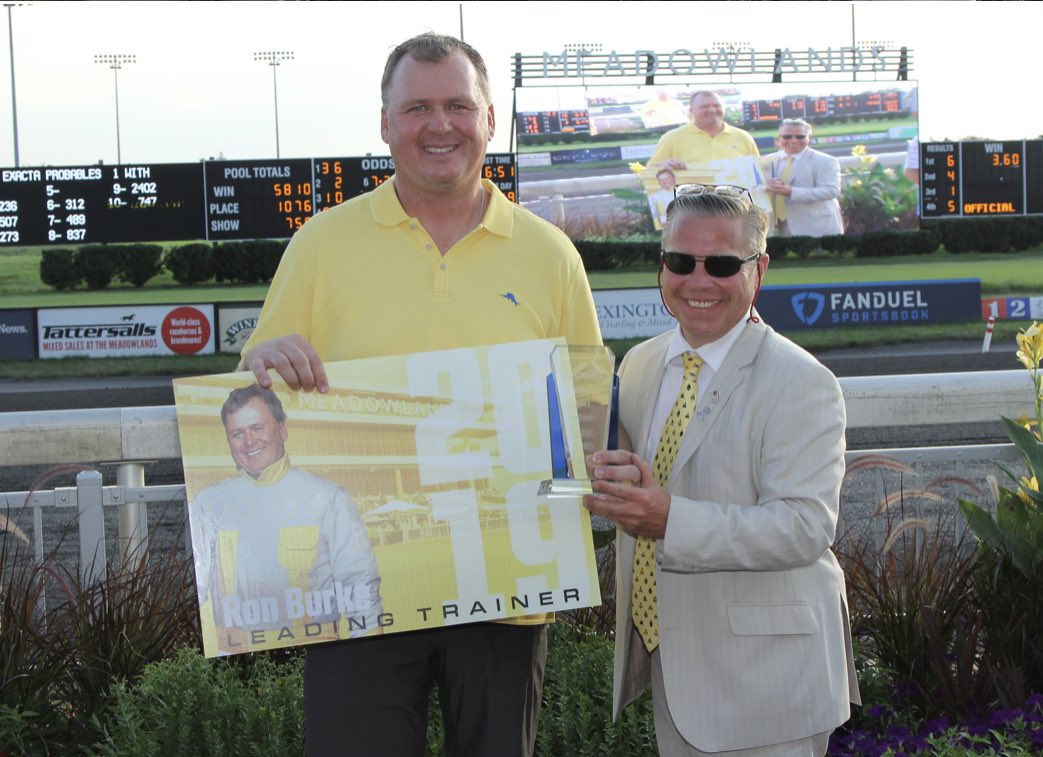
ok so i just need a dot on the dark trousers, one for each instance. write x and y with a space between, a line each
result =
369 697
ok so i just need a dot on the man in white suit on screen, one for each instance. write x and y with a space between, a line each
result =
804 184
729 599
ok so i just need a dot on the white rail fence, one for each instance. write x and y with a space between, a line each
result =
130 438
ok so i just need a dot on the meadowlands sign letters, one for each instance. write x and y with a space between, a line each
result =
584 63
404 498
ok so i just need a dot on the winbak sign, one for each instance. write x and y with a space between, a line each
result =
404 498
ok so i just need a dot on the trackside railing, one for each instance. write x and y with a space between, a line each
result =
130 438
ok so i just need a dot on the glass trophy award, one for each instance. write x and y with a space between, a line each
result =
587 374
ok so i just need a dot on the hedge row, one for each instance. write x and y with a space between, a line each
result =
965 235
255 261
247 262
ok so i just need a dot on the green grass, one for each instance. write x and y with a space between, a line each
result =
1000 274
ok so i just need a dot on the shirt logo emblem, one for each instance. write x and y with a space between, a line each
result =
509 296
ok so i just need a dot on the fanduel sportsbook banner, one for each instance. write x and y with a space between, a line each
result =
874 304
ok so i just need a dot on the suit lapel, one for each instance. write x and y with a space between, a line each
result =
715 398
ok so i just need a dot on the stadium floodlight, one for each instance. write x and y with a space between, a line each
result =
273 58
116 61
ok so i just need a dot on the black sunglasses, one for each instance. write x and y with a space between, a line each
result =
793 136
718 266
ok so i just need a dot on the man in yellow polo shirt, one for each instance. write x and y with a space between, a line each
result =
706 138
435 258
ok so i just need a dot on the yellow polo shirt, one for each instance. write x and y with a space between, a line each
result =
363 279
693 145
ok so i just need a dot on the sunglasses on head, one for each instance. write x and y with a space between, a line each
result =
718 266
724 190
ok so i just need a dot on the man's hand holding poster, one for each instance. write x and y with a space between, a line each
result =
404 498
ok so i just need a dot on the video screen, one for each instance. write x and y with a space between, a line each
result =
603 161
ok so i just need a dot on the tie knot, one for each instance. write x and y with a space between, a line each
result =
692 363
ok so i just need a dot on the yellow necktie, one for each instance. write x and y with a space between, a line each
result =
645 606
780 201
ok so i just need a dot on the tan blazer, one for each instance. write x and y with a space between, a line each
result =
813 208
754 635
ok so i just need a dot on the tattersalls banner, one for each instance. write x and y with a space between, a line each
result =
404 498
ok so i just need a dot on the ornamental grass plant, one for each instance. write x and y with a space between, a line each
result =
66 641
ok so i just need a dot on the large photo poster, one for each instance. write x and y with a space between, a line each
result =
404 498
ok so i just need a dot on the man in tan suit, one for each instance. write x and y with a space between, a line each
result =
729 600
804 184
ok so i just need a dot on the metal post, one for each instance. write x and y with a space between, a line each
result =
273 58
92 526
116 82
115 61
14 100
133 516
275 92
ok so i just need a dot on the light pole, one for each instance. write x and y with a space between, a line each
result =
116 61
273 58
14 100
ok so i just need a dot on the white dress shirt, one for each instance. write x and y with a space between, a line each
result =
713 355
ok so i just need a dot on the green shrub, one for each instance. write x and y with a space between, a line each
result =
251 261
97 265
801 246
577 704
137 263
837 243
976 235
228 257
995 236
923 242
1025 233
264 256
58 268
876 198
190 263
253 705
877 244
601 255
191 705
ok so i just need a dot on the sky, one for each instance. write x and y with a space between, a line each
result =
196 92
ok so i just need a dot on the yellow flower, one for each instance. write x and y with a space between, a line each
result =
1032 484
1030 346
636 167
858 150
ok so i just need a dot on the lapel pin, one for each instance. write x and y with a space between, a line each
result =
714 396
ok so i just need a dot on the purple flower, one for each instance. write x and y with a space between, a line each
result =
898 731
1035 737
1004 717
877 711
938 725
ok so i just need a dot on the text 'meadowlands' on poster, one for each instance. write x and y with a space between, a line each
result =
403 499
